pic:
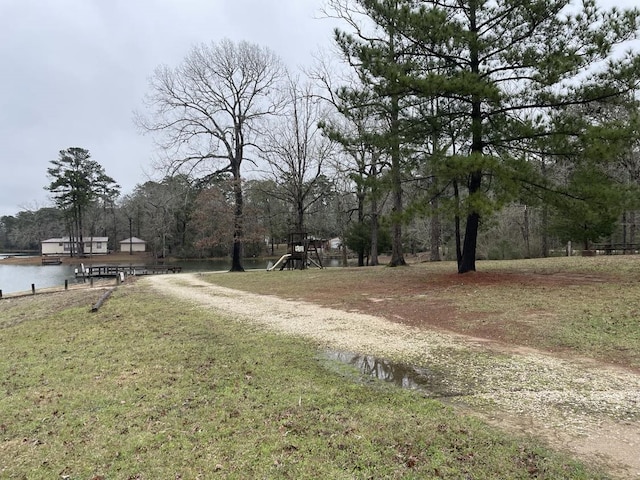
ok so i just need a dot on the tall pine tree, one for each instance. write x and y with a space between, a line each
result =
76 181
503 69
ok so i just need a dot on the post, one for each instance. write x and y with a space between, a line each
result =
33 288
130 238
91 282
66 284
0 293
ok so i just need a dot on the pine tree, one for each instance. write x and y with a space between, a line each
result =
77 181
381 60
501 71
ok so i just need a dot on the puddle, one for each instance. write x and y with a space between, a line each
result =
429 382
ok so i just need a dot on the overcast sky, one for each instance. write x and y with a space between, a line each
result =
74 71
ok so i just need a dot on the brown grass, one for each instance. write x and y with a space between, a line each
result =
584 306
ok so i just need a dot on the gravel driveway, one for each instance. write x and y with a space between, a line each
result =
579 405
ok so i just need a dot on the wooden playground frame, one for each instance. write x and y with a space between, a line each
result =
302 252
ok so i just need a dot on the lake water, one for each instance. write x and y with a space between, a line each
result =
19 278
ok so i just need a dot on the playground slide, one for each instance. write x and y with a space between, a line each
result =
282 259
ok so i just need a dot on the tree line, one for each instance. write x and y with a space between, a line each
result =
466 128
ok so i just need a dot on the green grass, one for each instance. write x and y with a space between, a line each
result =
150 388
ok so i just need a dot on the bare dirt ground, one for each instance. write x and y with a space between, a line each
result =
582 406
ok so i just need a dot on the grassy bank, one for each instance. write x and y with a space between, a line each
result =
149 388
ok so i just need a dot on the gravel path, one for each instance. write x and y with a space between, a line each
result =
577 404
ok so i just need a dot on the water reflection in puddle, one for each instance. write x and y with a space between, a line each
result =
427 381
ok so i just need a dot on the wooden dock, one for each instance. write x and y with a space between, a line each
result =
49 260
91 271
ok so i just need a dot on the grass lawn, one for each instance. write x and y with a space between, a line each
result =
151 388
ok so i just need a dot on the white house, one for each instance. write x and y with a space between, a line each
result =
64 246
133 245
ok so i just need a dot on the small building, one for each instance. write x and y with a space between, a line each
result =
66 245
133 245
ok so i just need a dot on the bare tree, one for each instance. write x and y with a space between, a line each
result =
208 112
296 151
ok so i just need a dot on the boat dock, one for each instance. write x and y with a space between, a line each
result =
51 260
91 271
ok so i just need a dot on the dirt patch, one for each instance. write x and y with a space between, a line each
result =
489 305
582 406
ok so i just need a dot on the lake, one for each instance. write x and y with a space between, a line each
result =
19 278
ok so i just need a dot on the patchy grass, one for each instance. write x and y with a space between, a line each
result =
151 388
587 306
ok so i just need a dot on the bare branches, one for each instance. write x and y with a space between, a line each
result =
296 150
207 110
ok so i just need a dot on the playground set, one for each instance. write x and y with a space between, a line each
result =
302 252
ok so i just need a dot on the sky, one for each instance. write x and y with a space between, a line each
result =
73 72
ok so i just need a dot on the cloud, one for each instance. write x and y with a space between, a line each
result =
74 71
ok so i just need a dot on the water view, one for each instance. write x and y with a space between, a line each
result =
19 278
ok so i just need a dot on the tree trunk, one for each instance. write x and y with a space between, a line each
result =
238 233
545 217
525 233
468 260
80 234
114 243
130 237
436 229
435 233
374 238
456 193
300 215
72 237
345 261
397 256
375 224
545 236
361 197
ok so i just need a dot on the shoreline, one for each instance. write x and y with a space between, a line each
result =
117 257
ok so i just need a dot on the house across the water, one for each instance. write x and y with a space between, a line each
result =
133 245
66 245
